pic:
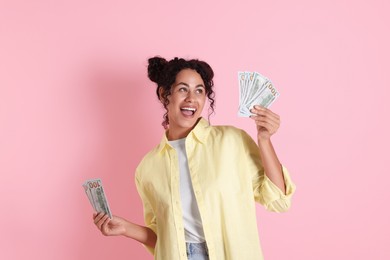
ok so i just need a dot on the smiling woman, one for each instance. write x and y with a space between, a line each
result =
179 75
198 186
185 103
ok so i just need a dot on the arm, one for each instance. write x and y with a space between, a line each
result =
267 124
118 226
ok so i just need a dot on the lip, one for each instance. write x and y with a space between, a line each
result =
188 108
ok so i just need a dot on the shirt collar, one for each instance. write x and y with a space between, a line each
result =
199 134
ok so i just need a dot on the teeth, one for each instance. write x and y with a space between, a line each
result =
189 108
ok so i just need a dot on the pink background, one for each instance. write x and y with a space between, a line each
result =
75 103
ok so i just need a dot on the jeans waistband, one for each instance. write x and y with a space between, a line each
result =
197 248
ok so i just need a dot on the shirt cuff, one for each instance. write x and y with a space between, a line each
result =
273 197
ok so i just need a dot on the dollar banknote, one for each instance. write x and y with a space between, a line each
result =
95 193
254 89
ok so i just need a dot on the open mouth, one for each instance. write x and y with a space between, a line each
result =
188 111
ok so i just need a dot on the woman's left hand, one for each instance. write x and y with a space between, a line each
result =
267 122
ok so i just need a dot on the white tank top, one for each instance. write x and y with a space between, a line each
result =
191 217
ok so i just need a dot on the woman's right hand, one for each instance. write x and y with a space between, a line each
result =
110 227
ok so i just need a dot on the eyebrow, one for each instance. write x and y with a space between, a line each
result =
185 84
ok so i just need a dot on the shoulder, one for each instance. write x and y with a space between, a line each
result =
228 134
226 131
147 161
231 134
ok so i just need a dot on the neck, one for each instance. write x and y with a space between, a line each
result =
175 133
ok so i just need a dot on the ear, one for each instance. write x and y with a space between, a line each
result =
160 93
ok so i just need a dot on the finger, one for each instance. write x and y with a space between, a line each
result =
268 114
268 120
98 217
263 113
104 226
267 126
263 110
101 221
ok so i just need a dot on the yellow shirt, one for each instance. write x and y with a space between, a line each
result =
227 177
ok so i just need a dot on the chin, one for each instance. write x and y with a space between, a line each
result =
189 122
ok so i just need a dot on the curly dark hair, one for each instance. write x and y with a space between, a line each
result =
164 73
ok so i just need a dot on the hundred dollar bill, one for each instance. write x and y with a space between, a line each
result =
255 90
95 193
267 96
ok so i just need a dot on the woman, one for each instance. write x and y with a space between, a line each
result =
199 185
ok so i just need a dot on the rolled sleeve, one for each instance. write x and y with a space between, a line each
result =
149 216
269 195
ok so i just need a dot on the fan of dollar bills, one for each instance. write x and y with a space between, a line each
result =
255 89
95 193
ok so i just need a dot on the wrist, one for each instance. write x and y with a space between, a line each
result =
263 141
128 228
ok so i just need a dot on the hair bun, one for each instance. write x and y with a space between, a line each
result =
156 69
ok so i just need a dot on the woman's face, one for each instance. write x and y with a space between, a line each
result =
186 102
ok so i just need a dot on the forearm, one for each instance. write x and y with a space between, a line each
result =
141 233
271 164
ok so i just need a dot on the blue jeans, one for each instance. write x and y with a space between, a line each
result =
197 251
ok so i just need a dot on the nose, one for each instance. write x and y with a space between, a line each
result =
189 97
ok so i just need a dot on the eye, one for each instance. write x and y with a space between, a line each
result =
182 89
199 91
